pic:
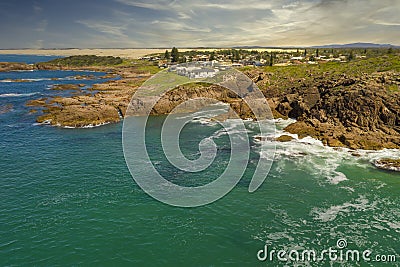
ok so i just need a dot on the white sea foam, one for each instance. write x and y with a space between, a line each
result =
316 158
86 126
348 188
330 214
204 121
24 70
394 225
232 126
281 123
17 95
38 79
25 80
204 116
310 155
340 177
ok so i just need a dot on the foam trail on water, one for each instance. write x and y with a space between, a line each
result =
17 95
330 214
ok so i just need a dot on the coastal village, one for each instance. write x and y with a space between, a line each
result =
257 58
207 63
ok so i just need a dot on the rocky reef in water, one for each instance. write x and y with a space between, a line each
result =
103 103
388 164
14 66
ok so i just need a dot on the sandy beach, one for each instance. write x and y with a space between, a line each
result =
125 53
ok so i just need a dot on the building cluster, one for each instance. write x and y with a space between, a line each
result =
196 70
240 58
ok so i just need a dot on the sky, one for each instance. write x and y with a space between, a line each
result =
196 23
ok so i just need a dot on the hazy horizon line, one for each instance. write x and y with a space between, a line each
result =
213 47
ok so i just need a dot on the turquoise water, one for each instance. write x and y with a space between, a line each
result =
69 199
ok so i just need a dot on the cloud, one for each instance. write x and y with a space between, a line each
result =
107 28
156 5
386 23
269 23
165 23
37 9
182 15
38 44
173 25
41 26
254 22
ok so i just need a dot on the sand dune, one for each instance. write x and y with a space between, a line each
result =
125 53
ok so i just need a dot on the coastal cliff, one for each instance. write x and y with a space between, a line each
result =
354 105
355 111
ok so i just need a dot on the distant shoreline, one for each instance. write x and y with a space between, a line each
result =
131 53
125 53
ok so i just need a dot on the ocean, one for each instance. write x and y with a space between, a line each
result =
68 198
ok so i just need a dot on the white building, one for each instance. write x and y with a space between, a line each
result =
202 73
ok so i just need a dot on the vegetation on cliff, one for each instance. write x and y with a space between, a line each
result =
86 60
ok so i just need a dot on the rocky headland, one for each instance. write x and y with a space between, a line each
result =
354 105
355 112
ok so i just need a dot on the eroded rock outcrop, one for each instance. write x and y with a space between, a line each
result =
388 164
355 112
107 105
15 66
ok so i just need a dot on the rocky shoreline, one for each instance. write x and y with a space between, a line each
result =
357 106
388 164
358 113
101 104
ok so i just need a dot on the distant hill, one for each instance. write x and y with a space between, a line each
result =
352 45
249 47
357 45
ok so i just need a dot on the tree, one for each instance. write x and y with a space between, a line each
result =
237 55
212 56
271 60
351 56
305 52
182 60
317 52
174 54
166 55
